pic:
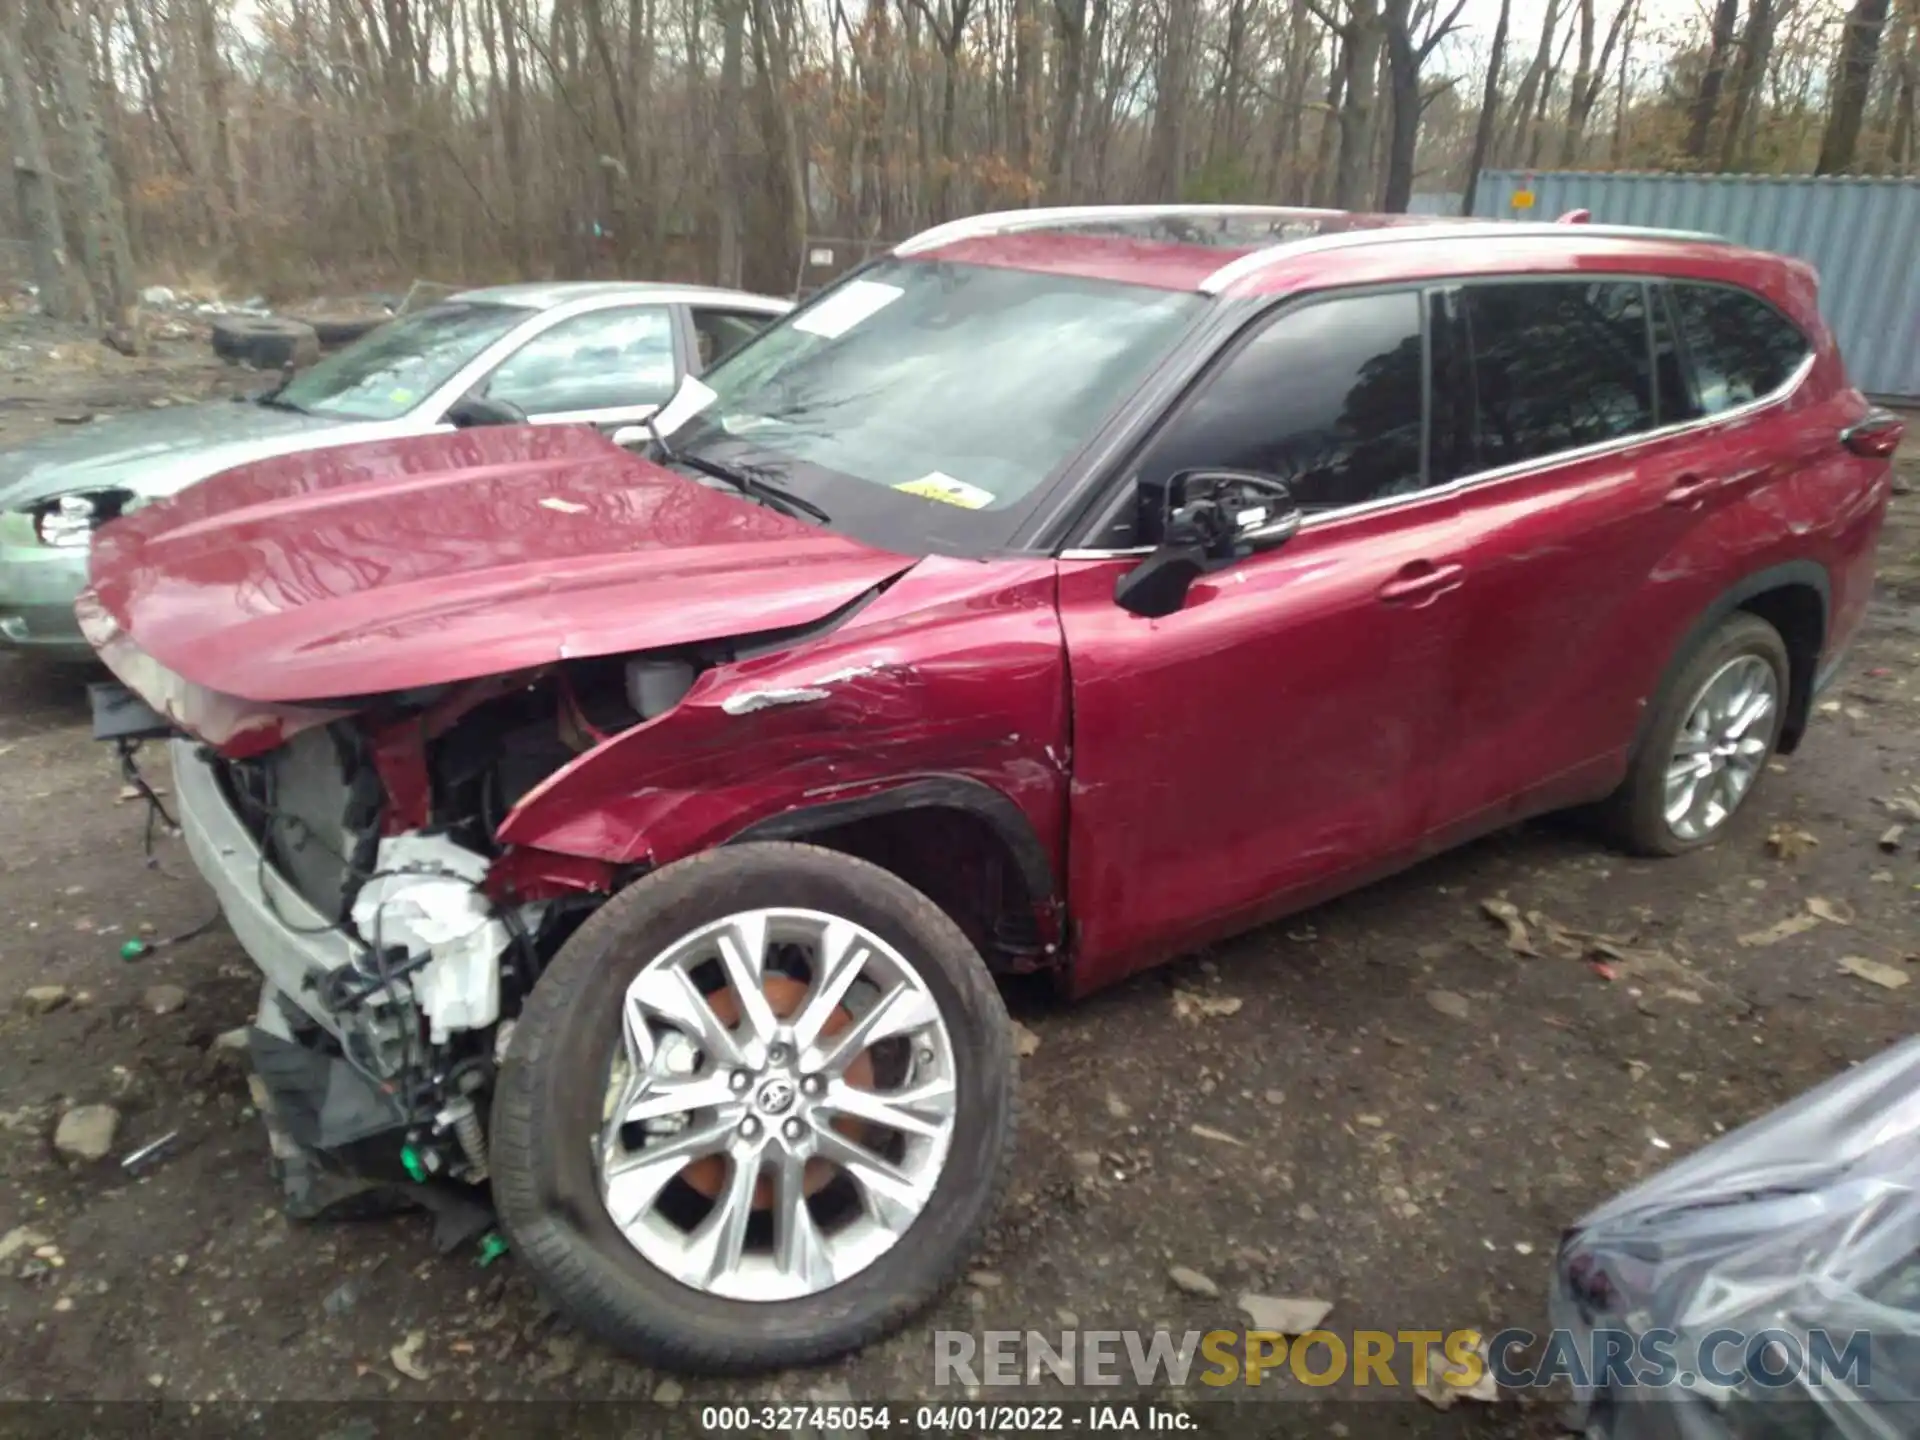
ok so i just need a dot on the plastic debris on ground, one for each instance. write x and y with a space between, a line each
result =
1804 1224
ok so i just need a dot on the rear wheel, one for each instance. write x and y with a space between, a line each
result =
756 1112
1713 730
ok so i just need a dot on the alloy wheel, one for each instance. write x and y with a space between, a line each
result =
1721 747
779 1108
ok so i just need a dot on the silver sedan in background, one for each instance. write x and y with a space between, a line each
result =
548 354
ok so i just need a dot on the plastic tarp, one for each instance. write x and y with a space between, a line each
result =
1801 1229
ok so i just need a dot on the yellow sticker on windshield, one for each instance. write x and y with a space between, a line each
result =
935 485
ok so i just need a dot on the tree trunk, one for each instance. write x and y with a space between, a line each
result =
1489 110
1403 89
62 293
1070 29
728 178
1707 101
1756 52
1853 74
1166 164
1359 113
780 140
1530 84
225 200
1339 77
104 249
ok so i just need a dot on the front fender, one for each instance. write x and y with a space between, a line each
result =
956 671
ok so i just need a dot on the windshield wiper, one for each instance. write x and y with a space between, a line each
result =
747 481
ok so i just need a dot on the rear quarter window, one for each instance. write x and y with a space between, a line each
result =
1741 348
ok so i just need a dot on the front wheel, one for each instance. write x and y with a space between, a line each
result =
756 1112
1713 730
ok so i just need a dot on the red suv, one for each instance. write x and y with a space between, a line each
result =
642 827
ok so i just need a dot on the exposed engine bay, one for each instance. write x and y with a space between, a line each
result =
383 824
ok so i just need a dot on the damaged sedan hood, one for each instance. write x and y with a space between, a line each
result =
421 561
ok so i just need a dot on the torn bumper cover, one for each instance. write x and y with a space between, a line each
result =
1778 1269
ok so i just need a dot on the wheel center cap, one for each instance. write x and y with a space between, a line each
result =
775 1097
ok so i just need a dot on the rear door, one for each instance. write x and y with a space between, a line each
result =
1279 735
1569 503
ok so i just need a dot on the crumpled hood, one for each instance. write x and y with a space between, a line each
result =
361 569
155 452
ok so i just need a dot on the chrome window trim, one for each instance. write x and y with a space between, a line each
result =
1519 469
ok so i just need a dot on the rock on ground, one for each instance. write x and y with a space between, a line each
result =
86 1132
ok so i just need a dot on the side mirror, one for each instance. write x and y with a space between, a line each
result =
474 409
1204 519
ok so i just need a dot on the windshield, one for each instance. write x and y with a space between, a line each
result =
923 404
388 372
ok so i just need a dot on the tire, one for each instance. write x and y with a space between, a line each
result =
265 343
553 1084
1636 814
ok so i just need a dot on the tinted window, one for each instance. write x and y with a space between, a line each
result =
1326 398
598 361
1557 365
1741 347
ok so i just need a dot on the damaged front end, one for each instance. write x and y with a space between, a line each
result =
357 864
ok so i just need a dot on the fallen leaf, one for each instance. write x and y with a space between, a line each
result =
1834 912
1901 806
1457 1007
1789 842
1373 1122
1508 914
1890 838
1874 973
1207 1132
1025 1042
403 1356
1447 1384
1792 925
1192 1006
1285 1314
1604 970
1685 997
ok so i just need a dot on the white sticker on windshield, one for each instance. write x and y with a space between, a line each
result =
935 485
688 401
847 307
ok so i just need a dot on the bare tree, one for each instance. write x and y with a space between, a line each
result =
1489 111
1853 74
1706 103
34 185
104 248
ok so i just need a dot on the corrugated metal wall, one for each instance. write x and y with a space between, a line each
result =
1863 236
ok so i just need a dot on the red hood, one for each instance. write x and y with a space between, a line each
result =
419 561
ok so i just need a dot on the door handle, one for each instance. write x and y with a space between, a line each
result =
1691 488
1421 583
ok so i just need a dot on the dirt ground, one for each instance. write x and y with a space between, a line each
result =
1400 1116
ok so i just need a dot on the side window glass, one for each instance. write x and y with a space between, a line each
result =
1742 349
602 360
1327 398
721 332
1558 365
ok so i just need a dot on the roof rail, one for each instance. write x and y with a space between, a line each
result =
1258 260
1066 217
